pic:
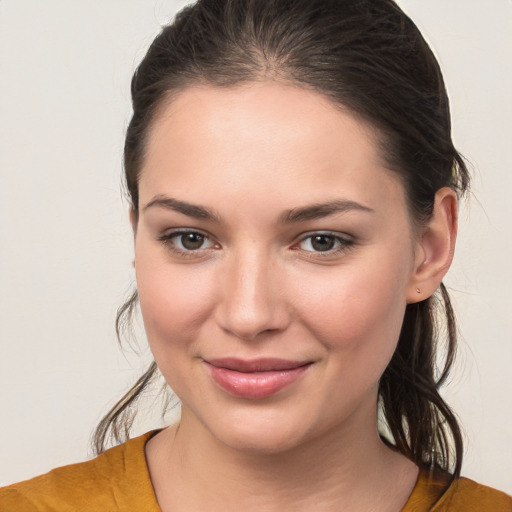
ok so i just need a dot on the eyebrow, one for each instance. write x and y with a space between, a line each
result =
321 210
304 213
191 210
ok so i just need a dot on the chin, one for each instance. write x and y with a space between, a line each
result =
261 443
264 431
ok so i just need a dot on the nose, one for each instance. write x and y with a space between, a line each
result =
253 301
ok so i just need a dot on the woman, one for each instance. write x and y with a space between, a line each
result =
294 206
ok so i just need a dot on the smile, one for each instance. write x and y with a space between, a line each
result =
255 379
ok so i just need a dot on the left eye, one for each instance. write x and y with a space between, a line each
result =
188 241
323 242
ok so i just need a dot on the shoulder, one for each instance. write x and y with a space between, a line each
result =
116 480
438 493
466 495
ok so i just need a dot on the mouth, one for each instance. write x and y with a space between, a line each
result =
255 379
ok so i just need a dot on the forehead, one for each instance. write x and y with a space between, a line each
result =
286 141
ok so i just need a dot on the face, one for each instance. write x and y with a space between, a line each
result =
274 256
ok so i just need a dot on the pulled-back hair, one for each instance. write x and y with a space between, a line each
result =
368 57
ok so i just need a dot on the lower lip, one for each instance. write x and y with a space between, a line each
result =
255 385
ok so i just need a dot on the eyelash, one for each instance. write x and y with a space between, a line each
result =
342 243
168 240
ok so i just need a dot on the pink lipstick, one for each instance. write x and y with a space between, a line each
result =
253 379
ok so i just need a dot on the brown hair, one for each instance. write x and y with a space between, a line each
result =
369 57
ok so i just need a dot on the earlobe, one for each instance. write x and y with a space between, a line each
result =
435 248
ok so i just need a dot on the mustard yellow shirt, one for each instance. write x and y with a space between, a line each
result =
118 481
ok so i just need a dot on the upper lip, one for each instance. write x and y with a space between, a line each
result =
256 365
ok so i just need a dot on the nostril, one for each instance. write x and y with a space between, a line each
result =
249 324
250 305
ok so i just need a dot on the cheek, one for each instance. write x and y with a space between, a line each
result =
175 300
359 309
357 318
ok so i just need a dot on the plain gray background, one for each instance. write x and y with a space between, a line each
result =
65 242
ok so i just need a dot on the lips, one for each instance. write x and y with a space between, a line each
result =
255 379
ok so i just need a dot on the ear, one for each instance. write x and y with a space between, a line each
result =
435 247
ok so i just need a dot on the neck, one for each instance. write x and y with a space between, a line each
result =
192 470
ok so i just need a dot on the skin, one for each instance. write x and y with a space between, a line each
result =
257 287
